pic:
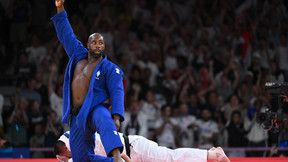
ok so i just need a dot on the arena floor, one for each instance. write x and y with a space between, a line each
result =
276 159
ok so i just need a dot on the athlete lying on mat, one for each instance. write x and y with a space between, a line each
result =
142 149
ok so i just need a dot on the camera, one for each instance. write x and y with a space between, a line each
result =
272 118
267 120
266 117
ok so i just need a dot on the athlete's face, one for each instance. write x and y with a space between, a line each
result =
96 45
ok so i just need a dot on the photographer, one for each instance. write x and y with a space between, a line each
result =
255 135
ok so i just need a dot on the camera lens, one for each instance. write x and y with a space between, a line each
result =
261 117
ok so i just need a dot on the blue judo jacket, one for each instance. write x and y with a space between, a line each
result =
106 81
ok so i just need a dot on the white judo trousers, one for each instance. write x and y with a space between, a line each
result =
144 150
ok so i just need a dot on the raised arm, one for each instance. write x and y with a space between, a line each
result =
65 32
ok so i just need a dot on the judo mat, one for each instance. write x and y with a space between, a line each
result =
23 155
242 159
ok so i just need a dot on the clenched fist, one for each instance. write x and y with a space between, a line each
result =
59 3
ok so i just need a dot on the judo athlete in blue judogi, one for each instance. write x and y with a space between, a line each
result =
90 79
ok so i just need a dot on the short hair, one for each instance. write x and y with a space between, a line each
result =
58 147
236 112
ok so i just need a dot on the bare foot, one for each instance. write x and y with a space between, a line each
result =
217 154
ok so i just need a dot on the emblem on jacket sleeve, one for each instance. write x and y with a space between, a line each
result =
117 70
98 74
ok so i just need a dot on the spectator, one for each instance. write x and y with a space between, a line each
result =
236 134
162 94
182 67
52 132
35 116
159 97
201 52
37 140
17 125
140 8
145 76
232 105
225 89
207 130
166 128
41 88
45 69
150 108
135 122
136 83
146 62
275 73
157 57
184 41
36 52
245 94
146 44
193 103
30 92
53 129
164 25
206 87
23 70
171 59
123 37
266 54
254 69
212 104
186 81
187 123
169 82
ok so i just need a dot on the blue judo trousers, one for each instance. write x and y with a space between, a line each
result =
106 82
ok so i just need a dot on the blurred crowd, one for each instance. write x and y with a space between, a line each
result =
194 69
